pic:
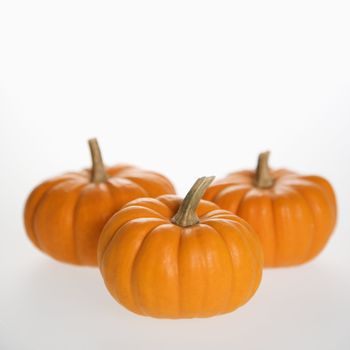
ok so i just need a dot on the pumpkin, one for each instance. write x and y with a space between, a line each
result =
293 215
64 216
169 258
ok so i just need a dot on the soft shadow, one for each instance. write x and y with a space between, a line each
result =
54 287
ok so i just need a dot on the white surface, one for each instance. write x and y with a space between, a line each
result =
188 88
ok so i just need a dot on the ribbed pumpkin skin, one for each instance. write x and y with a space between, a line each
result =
64 216
294 218
156 268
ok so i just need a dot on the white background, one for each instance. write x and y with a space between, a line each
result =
187 88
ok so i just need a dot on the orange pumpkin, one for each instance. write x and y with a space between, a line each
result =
294 215
169 258
64 216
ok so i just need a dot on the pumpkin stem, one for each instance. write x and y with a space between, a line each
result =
186 214
263 177
98 172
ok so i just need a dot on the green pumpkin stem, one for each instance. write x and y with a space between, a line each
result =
98 172
186 214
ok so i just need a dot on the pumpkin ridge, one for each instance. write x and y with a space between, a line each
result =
34 210
75 211
314 222
300 195
275 234
147 194
269 199
46 194
139 217
139 173
200 244
285 215
166 181
109 191
227 218
110 185
247 189
219 190
331 201
231 262
164 238
207 210
108 244
161 216
135 297
112 179
77 198
325 185
217 213
107 264
178 273
74 221
255 280
241 232
144 202
241 201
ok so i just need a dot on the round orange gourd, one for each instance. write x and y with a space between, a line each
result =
293 215
64 216
169 258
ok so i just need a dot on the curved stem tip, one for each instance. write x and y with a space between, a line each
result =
186 214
